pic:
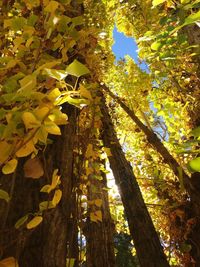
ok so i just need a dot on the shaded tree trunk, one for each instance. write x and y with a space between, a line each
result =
99 235
46 245
149 250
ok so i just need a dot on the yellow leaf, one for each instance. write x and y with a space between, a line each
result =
30 120
52 6
108 152
29 41
57 197
26 149
89 151
98 202
41 113
33 168
5 151
29 82
55 179
41 135
34 222
85 93
9 262
10 166
52 128
96 216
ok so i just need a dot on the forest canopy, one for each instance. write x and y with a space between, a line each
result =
100 159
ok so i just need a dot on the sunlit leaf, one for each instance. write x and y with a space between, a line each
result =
77 69
194 164
57 197
9 262
52 128
30 121
26 149
158 2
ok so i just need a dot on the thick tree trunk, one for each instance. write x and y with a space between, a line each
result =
155 141
99 235
149 250
46 245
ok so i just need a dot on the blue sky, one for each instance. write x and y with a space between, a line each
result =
125 46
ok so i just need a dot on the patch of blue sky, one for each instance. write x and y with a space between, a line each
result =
126 46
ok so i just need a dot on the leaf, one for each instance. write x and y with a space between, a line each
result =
85 93
33 168
51 7
45 205
158 2
26 149
70 262
57 197
10 166
34 222
108 152
42 135
30 120
4 195
46 188
9 262
5 149
28 83
41 113
96 216
52 128
21 221
194 164
156 46
77 69
56 74
192 18
196 132
98 202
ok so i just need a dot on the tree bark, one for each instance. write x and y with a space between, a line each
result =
47 244
99 235
155 141
149 250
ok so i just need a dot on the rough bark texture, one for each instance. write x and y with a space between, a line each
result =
155 141
99 237
147 244
46 245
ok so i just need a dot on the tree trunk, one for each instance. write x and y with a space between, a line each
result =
155 141
99 235
45 245
149 250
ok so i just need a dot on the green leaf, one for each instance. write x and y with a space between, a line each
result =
4 195
56 74
194 165
18 23
192 18
52 6
158 2
77 69
21 221
196 132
